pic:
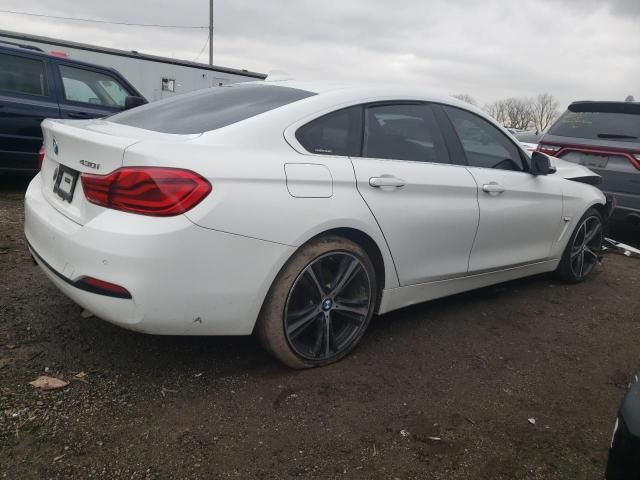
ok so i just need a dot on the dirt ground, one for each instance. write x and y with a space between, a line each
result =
470 370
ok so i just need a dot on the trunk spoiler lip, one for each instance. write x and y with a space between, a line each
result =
590 106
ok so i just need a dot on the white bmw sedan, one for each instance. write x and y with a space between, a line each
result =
298 210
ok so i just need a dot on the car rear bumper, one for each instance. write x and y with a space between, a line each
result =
183 279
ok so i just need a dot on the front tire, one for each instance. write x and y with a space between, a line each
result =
320 304
583 250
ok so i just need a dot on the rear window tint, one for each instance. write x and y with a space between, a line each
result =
209 109
338 133
619 127
22 75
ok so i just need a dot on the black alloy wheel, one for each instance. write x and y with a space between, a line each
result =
327 306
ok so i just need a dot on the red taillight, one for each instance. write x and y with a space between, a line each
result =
95 285
156 191
40 157
548 149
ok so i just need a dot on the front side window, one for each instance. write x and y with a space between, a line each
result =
22 75
87 86
403 132
483 144
209 109
338 133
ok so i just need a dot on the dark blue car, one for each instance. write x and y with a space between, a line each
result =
35 85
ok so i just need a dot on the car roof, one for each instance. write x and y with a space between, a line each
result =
363 88
35 51
373 91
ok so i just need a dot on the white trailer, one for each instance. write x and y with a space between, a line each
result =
155 77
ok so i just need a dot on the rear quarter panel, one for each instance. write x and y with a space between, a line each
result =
246 168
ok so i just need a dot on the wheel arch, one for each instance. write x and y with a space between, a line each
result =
386 276
603 210
370 247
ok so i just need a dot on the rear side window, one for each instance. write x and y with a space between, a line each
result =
403 132
622 127
88 86
484 145
22 75
338 133
209 109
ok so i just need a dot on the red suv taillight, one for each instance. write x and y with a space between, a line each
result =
40 157
155 191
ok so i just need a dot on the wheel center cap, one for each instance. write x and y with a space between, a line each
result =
327 304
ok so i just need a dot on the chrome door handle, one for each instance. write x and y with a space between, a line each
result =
493 187
386 182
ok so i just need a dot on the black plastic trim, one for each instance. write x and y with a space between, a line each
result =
78 283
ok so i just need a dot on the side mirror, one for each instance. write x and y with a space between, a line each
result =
132 102
541 164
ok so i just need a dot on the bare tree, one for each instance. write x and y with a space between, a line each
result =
512 112
498 111
519 113
465 97
545 110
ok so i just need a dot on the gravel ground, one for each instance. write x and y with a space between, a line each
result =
443 390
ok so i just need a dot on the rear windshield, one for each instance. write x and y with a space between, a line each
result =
209 109
620 127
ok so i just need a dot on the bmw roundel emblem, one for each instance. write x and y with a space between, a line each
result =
55 146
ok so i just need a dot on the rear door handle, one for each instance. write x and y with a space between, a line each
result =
493 187
386 182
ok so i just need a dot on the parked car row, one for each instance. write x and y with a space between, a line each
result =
528 139
35 85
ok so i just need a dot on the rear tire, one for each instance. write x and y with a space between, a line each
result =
584 248
320 304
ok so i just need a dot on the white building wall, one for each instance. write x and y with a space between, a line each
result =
146 75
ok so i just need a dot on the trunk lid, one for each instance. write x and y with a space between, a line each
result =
85 146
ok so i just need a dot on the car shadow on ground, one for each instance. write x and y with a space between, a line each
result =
91 344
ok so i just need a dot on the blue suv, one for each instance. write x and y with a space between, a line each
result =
35 85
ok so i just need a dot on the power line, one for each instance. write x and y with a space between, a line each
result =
202 49
13 12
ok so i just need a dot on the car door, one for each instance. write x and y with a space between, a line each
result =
426 207
26 98
89 93
520 213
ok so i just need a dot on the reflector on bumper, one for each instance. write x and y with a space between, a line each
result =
88 284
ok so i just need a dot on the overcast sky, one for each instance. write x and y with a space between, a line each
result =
490 49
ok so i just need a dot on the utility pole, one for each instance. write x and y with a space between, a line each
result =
210 32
